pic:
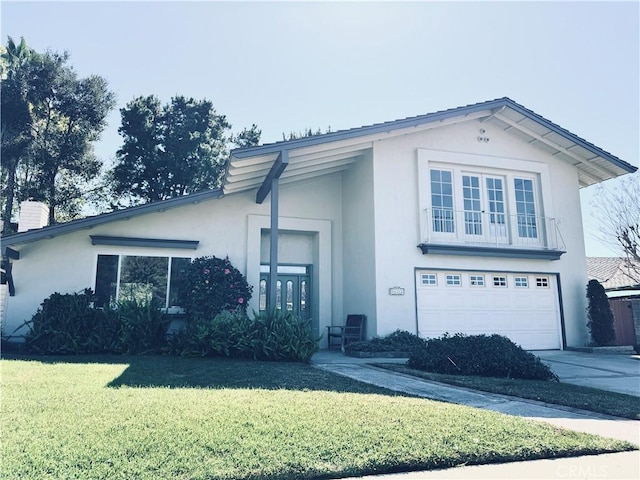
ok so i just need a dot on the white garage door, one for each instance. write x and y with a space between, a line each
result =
521 306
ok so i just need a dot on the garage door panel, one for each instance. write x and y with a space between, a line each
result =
529 315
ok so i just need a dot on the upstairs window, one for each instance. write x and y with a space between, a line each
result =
442 201
525 208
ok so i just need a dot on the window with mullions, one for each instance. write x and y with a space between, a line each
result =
472 207
542 282
499 281
139 278
429 279
521 282
525 208
453 280
476 280
495 199
442 201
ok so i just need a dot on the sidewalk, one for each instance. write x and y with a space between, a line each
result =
610 466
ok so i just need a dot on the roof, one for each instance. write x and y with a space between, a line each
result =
335 151
332 152
90 222
614 273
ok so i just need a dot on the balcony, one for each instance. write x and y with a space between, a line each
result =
454 232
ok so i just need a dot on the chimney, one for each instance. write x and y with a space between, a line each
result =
32 215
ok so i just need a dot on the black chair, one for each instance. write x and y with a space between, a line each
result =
351 331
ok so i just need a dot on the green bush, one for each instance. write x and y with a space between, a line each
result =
600 315
481 355
142 327
68 324
398 341
280 336
211 285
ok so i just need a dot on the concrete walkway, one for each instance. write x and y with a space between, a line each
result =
619 465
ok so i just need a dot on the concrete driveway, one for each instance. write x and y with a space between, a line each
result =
616 373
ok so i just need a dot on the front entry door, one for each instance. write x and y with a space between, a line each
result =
293 292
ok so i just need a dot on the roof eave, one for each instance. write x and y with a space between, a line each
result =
90 222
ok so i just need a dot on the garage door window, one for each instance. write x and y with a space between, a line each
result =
454 280
542 282
521 282
476 280
428 279
499 281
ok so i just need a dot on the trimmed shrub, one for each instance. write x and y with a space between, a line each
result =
481 355
600 315
142 327
211 285
280 336
398 341
68 324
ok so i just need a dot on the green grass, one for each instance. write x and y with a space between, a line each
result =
179 418
585 398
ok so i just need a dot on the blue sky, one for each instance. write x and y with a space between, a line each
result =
290 65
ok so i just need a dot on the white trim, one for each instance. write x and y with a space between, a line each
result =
460 163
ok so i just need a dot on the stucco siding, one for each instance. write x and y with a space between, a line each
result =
67 263
398 218
359 242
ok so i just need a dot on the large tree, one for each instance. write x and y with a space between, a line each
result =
15 118
171 150
618 213
65 115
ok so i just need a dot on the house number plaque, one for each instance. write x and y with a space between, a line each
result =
396 291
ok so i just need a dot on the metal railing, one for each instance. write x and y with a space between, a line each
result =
442 225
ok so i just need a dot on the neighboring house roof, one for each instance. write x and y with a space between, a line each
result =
614 273
332 152
90 222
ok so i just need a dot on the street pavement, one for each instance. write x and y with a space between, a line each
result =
619 373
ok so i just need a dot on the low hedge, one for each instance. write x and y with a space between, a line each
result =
398 341
481 355
279 336
68 324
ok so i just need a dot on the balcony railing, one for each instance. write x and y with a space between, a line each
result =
445 226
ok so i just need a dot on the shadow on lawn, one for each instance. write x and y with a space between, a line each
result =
151 371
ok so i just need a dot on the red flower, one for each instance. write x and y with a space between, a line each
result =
241 300
227 271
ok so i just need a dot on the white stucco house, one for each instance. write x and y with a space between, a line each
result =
464 220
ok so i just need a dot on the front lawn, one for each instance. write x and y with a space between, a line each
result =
167 417
576 396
